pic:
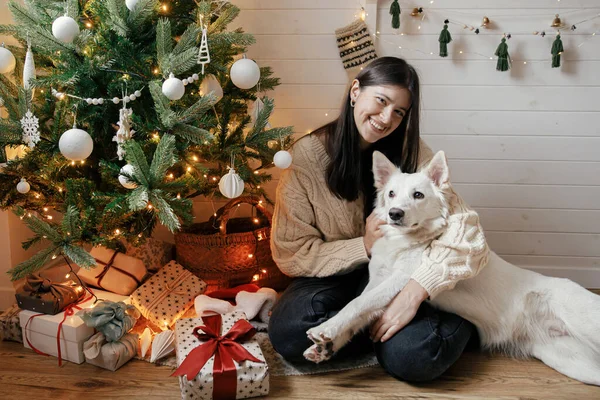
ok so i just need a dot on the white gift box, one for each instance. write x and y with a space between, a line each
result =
42 330
252 377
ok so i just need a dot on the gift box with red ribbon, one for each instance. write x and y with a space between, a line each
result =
61 335
42 295
219 359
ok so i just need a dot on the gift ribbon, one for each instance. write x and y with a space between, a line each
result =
166 290
225 348
68 311
110 265
36 284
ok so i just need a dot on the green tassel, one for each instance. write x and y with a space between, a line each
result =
444 39
395 11
503 63
557 48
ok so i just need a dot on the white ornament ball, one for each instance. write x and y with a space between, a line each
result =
231 185
123 180
185 82
132 97
282 159
100 101
195 77
65 29
76 144
137 93
244 73
130 4
7 61
88 100
211 84
173 88
23 186
95 102
116 100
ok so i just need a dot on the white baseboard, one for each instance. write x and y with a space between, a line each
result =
7 297
586 277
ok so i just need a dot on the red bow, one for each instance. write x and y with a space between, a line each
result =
225 349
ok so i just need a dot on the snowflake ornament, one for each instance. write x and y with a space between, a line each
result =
125 132
31 126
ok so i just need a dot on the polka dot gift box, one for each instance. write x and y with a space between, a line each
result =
244 371
167 295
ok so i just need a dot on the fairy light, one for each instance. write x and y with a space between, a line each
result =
170 176
250 255
178 196
264 271
189 169
150 206
72 162
117 232
205 175
255 277
258 187
88 24
164 7
260 202
67 276
214 178
155 135
54 256
46 209
82 162
37 196
255 220
60 190
195 158
256 172
49 216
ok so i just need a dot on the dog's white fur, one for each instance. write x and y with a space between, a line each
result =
519 312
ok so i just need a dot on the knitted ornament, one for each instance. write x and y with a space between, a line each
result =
395 12
355 46
557 49
503 63
444 39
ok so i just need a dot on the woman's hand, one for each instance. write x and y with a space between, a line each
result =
372 231
399 312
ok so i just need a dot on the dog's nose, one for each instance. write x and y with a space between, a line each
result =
396 214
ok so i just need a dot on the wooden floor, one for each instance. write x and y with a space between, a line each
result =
26 375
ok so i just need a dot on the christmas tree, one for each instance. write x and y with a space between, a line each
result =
125 122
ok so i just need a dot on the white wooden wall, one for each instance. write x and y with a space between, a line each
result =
523 145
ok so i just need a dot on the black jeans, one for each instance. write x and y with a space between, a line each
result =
422 351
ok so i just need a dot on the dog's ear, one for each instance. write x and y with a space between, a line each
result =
437 170
382 169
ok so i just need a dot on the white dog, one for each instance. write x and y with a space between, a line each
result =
519 312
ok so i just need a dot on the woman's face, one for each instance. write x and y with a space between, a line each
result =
378 110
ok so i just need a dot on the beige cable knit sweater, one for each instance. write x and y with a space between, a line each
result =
315 234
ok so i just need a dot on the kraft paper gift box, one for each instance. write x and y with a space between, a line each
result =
41 331
165 297
154 253
245 372
10 329
115 272
110 355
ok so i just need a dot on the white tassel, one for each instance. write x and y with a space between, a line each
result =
28 68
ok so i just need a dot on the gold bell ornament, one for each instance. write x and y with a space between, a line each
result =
485 22
556 23
415 12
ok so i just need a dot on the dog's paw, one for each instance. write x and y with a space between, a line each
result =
321 350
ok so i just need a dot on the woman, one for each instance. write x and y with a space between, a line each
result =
320 234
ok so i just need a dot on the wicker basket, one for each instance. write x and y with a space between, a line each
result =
226 252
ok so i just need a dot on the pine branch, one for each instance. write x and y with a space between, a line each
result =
33 264
138 199
79 256
164 157
183 62
164 44
187 40
117 15
136 157
192 134
167 117
166 216
142 13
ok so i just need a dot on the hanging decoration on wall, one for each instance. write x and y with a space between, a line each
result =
395 13
504 62
7 60
23 186
355 46
203 53
485 22
416 11
30 125
557 49
556 22
444 39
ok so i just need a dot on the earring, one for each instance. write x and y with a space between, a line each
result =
352 103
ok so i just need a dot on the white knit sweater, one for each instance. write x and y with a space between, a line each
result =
316 234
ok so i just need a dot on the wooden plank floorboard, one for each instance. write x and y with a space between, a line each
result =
26 375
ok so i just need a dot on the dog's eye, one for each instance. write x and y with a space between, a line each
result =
391 194
418 195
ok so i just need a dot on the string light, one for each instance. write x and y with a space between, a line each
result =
72 162
250 255
189 169
149 206
256 220
117 232
195 158
37 196
170 176
255 277
54 256
46 209
88 24
67 276
178 196
164 7
49 216
155 71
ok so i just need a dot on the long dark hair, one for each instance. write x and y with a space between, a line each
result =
349 172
